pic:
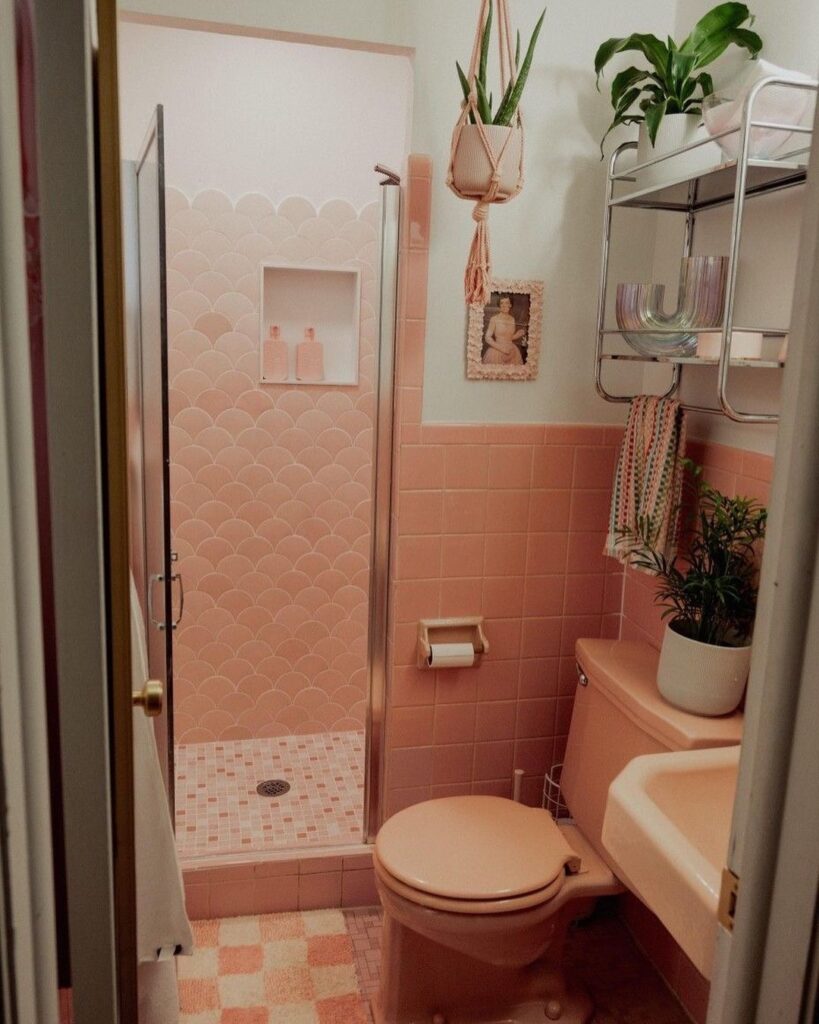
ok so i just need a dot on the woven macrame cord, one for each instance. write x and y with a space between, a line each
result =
478 268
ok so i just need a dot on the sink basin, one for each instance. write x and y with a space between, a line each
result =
666 828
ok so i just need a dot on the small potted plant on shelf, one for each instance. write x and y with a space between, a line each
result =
665 99
709 594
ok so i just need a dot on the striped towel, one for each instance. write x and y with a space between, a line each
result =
648 478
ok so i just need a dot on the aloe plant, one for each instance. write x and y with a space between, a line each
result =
675 83
520 72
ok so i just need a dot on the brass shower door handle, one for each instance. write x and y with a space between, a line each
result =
151 698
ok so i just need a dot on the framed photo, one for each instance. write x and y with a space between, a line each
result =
503 337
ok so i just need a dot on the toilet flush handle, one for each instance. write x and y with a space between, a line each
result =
582 678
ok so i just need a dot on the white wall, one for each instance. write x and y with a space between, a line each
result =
552 230
790 33
245 114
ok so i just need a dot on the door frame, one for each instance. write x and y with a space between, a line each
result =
78 136
28 947
765 968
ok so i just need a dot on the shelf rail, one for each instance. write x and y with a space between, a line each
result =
741 193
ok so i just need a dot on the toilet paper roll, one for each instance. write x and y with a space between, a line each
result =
451 655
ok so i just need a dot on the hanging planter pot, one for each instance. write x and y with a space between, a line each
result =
479 150
486 156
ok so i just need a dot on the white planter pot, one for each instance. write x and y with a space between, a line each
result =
702 678
675 131
471 169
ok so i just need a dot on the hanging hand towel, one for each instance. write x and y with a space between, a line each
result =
648 479
163 928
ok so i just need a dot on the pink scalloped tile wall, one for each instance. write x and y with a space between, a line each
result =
732 470
270 483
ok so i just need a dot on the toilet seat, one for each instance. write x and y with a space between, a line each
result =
458 906
473 855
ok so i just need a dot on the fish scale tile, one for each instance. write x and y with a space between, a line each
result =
270 484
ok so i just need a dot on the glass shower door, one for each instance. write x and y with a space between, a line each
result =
154 568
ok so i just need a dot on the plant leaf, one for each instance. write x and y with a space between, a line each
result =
650 46
517 50
487 33
682 64
716 21
654 115
483 102
717 44
626 100
507 110
623 81
619 118
705 82
465 87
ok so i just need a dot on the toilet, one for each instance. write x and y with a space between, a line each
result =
478 891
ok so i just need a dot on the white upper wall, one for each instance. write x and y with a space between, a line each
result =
244 114
768 258
552 231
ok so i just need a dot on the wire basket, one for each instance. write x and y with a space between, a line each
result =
553 800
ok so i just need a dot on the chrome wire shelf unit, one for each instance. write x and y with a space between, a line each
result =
730 183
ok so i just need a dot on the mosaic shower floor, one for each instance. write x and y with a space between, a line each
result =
218 810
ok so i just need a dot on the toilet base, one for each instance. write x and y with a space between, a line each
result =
424 982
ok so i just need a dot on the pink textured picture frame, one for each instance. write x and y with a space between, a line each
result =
503 337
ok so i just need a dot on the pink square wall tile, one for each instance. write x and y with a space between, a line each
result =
510 466
454 723
464 511
467 466
495 720
420 512
461 596
320 890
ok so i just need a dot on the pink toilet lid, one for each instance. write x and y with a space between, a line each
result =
474 848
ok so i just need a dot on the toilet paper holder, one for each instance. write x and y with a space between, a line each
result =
467 629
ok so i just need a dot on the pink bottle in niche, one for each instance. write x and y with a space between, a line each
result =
310 357
275 356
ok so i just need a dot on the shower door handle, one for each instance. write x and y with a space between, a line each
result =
177 578
158 577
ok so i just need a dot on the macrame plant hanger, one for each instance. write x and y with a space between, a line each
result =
478 268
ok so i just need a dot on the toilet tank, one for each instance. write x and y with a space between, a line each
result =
618 715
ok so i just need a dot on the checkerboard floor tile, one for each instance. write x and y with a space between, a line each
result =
272 969
322 967
218 810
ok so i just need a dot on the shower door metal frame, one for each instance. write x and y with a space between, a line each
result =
379 603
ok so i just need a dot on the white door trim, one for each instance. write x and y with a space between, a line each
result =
65 112
28 940
762 967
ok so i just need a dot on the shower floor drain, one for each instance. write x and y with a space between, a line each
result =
273 787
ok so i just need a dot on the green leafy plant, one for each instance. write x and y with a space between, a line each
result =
675 83
511 98
709 591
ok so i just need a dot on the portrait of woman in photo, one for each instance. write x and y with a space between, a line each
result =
503 337
505 332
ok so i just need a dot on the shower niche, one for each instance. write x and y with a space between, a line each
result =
296 298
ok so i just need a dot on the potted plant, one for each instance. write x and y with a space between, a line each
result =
665 99
471 167
709 593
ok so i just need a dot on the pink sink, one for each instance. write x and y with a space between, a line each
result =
666 827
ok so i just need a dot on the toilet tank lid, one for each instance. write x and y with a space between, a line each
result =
627 671
474 848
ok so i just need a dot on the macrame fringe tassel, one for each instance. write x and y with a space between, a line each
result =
478 269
